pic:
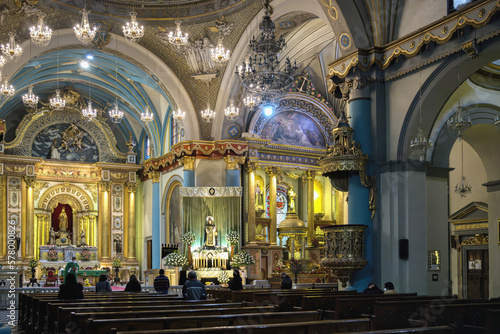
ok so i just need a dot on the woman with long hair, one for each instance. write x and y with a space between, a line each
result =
71 289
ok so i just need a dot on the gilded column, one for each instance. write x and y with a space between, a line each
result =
130 231
105 221
310 206
30 216
23 219
272 172
3 217
40 228
251 201
125 221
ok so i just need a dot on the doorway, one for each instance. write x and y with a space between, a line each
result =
476 273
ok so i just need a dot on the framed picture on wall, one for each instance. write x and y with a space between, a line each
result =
434 260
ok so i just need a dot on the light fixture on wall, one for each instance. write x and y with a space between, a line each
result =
261 74
83 31
208 114
231 111
463 188
132 31
41 34
12 51
177 38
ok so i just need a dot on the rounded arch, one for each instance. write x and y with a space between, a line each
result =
172 185
70 192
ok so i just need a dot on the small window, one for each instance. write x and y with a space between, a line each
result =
147 154
457 4
175 132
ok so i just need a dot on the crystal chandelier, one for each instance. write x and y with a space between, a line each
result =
458 122
12 51
220 54
463 188
261 74
178 115
116 114
420 144
57 102
30 100
40 34
232 112
2 62
147 116
132 31
251 101
208 114
6 89
89 113
83 32
177 38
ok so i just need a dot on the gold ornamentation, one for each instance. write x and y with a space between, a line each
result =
469 47
210 192
412 44
38 188
444 30
481 13
478 239
252 166
155 175
473 226
331 10
105 186
15 169
273 171
92 189
131 187
119 176
30 181
233 162
72 191
187 162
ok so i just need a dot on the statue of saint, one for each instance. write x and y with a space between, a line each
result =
291 199
54 151
52 237
210 233
83 242
63 220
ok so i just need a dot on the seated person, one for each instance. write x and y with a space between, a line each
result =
133 285
193 289
286 281
161 283
70 289
236 282
103 284
389 289
373 289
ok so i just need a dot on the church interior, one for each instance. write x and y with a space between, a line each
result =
354 140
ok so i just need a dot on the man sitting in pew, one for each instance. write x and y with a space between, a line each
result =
193 289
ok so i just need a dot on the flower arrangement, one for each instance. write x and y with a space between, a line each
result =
232 238
295 266
175 259
188 238
117 263
85 255
223 278
243 258
280 266
52 255
33 263
315 243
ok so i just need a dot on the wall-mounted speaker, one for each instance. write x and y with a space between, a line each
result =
403 249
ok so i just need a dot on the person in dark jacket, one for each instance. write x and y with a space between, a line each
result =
70 289
103 284
286 281
236 282
133 285
373 289
193 289
161 283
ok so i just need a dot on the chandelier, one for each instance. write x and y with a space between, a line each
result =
83 32
261 74
6 89
232 112
177 38
132 31
458 122
147 116
463 188
208 114
178 115
12 51
30 100
220 54
420 143
2 62
250 100
116 114
40 34
57 102
89 113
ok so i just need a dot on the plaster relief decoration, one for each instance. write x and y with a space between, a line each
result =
65 141
118 223
14 187
117 198
39 186
92 189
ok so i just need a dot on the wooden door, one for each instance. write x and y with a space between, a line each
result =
477 274
149 249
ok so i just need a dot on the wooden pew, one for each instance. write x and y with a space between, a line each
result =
420 330
318 327
79 319
102 326
271 297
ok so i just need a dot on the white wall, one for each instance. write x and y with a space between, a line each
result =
210 173
418 13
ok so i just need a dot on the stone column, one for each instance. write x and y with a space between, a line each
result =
357 92
233 175
104 221
272 172
30 216
156 237
251 201
3 217
189 175
131 230
310 206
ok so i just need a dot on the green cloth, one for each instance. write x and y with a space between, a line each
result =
71 267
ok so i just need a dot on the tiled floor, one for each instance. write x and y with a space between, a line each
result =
4 320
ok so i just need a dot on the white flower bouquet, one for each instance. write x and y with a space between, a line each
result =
175 259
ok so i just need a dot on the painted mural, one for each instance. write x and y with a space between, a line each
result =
65 141
292 128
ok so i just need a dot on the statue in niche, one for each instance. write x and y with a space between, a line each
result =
259 196
63 220
291 199
117 240
83 241
210 233
3 130
52 237
130 143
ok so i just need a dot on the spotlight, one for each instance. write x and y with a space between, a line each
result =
84 64
89 56
268 110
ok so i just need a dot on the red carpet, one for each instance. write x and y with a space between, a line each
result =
117 288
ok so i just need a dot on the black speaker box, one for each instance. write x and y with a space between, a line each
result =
403 249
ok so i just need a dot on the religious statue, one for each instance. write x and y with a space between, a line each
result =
291 199
54 150
117 240
258 195
83 242
3 130
71 267
52 237
63 220
130 143
210 233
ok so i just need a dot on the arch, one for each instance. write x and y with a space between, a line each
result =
173 182
74 193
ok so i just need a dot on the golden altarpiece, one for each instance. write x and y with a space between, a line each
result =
65 188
